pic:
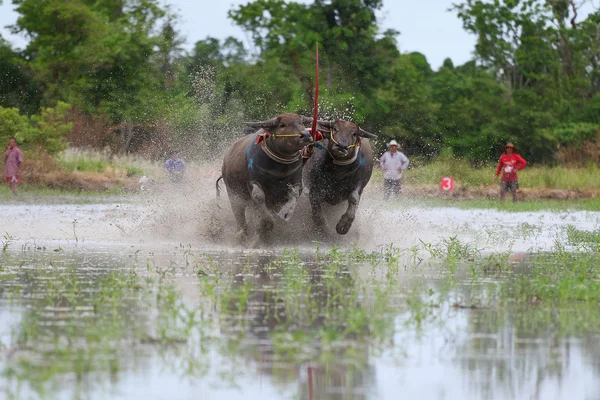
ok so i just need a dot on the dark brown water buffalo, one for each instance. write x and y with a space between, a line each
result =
339 171
265 168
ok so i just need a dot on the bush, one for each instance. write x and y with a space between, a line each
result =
576 134
52 127
47 130
12 123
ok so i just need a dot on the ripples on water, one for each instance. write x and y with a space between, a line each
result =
121 322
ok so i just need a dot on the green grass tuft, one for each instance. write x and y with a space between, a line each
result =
465 175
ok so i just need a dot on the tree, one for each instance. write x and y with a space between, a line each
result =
100 55
352 55
18 89
546 59
46 131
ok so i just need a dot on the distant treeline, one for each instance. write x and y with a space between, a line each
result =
119 65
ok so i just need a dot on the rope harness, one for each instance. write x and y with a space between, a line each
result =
349 147
357 144
284 135
344 162
282 160
265 135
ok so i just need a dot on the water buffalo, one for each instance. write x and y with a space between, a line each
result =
265 168
339 171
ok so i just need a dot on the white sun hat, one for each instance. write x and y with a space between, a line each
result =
393 143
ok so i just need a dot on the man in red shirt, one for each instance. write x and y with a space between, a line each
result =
510 162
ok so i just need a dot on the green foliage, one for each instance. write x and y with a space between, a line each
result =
17 87
47 130
109 58
51 128
585 239
534 80
548 62
576 133
558 277
12 124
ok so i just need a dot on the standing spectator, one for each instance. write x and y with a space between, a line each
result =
12 163
510 162
175 167
393 163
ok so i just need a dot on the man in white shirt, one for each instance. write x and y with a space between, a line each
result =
393 163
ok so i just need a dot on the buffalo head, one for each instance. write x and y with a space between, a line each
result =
343 136
287 133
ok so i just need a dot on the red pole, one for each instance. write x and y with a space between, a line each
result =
316 105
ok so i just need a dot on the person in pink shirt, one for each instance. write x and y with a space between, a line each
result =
510 162
12 162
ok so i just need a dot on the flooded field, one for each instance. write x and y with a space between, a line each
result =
133 300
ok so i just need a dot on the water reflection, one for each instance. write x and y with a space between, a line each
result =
120 322
528 349
297 315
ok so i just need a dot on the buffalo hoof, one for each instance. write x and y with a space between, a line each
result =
343 226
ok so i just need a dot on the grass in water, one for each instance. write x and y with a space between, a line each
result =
560 278
337 308
585 239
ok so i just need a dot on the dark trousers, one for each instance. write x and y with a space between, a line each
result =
391 186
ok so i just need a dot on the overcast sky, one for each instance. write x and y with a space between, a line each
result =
425 25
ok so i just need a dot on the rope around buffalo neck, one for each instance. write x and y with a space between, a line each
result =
357 144
282 160
353 146
343 162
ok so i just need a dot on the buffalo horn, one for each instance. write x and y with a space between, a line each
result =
270 123
365 134
326 124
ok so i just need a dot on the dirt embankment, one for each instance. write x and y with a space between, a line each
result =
84 181
43 171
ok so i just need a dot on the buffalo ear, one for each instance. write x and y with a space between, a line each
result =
325 126
365 134
270 123
306 120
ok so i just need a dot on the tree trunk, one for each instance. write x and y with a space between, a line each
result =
127 135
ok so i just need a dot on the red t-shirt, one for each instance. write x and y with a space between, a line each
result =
509 165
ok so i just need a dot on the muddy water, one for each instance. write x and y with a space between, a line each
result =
211 226
155 299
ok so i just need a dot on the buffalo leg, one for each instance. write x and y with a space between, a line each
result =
285 213
344 224
238 206
266 222
317 211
